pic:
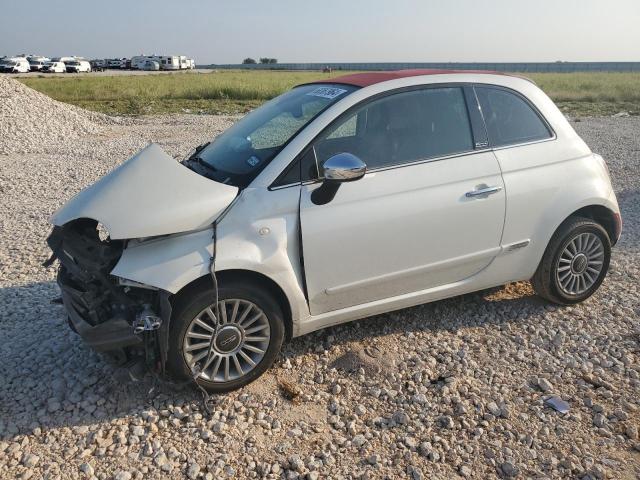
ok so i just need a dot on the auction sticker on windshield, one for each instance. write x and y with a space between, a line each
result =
327 92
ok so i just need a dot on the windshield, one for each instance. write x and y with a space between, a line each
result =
73 63
239 154
9 62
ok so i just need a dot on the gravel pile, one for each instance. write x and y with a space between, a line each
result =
446 390
33 122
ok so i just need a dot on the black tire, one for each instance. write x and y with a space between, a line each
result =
188 307
546 282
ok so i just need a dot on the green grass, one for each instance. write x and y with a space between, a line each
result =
224 91
228 91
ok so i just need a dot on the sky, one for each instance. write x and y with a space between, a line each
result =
213 31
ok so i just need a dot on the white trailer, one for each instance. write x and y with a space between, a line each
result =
170 62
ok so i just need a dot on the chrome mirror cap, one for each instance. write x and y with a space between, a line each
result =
344 167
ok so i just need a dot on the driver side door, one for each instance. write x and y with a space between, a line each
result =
413 222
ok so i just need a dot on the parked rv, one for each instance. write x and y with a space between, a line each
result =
150 65
171 62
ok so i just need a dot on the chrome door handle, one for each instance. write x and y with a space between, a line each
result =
484 191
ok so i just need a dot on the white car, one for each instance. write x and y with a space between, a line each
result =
54 67
335 201
78 66
14 65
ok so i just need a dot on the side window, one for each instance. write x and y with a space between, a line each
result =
402 128
305 168
509 118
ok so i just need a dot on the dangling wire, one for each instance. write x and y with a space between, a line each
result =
195 370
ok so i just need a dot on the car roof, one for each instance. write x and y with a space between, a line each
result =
370 78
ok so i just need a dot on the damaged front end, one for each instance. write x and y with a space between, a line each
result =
126 320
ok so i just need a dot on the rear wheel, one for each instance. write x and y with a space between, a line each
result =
574 263
229 351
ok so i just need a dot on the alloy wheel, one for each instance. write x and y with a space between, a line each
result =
227 348
580 263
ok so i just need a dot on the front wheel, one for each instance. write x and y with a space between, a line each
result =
574 263
232 350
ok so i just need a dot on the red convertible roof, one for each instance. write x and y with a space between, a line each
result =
370 78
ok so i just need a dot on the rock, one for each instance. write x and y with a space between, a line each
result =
445 421
373 459
160 460
122 475
193 470
545 385
400 417
509 469
86 469
359 440
296 463
419 398
465 470
494 409
632 432
599 420
414 473
30 460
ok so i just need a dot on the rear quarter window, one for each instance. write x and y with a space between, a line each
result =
510 119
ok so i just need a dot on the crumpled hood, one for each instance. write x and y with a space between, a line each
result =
150 194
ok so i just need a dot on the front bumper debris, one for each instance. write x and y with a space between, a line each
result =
108 316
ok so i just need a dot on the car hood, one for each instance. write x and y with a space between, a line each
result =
148 195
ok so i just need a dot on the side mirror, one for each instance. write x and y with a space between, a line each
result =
342 167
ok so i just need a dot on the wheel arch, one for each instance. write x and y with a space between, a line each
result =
608 219
246 276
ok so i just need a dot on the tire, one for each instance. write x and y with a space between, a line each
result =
214 377
575 262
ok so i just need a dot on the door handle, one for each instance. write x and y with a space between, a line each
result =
484 191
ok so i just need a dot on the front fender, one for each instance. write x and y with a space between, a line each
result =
246 240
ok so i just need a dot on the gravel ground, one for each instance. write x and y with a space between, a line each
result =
446 390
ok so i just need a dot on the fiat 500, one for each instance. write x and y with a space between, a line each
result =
335 201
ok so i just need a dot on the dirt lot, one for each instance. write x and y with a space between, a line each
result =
450 389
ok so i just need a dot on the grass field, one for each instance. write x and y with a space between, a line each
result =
228 91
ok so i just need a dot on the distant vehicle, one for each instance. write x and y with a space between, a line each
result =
171 62
36 62
114 63
125 64
98 65
138 61
150 65
15 65
78 66
54 67
36 65
192 63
